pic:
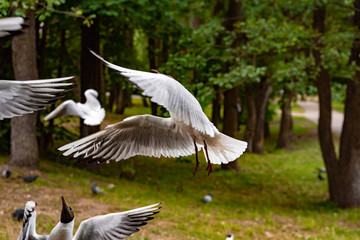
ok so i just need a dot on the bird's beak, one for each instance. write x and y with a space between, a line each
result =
63 201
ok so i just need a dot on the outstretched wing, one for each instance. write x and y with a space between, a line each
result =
21 97
10 25
116 225
138 135
169 93
69 107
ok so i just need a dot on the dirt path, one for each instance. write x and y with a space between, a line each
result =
311 112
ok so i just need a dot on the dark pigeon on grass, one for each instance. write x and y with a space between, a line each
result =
29 178
207 198
18 214
95 189
6 173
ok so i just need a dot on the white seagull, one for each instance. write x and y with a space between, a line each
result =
180 135
22 97
229 236
104 227
10 25
91 111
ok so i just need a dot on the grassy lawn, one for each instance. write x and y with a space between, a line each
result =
275 196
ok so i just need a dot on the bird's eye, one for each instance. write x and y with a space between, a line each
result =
70 208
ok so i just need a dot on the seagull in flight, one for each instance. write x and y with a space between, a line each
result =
91 111
10 26
186 131
110 226
22 97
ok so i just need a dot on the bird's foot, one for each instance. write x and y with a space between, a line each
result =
196 168
209 168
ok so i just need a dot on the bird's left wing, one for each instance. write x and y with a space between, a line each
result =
168 92
116 225
21 97
138 135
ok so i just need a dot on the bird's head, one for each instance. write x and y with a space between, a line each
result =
67 214
91 92
229 235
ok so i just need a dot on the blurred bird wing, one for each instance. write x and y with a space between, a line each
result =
116 225
10 24
168 92
94 117
138 135
21 97
69 107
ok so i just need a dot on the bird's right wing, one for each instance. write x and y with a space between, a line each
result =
69 107
116 226
21 97
138 135
9 25
168 92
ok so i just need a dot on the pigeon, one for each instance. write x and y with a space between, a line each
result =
207 198
180 135
18 214
229 236
110 226
29 179
6 173
22 97
91 111
10 26
321 177
96 190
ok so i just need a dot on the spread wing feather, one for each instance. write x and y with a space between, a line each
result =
138 135
168 92
21 97
116 225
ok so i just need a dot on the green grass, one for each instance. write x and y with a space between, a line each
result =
275 196
338 106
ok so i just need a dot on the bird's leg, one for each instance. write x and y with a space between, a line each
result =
209 166
197 160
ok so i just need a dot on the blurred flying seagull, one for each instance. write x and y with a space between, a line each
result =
229 236
10 26
111 226
21 97
91 111
95 189
6 173
207 198
180 135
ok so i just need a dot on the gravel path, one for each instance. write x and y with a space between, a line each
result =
311 112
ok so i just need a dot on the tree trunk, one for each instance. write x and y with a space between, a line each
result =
262 98
24 148
90 68
345 185
286 131
230 121
251 117
216 107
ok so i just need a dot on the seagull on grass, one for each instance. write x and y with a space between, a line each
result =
187 129
229 236
6 173
91 111
22 97
207 198
111 226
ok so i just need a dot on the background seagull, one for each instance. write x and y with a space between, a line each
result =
180 135
21 97
6 173
10 26
207 198
30 178
18 214
91 111
111 226
229 236
95 189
